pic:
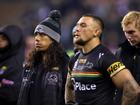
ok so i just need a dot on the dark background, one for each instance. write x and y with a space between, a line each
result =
28 13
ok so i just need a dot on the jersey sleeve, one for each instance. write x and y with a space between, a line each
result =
111 64
71 64
72 61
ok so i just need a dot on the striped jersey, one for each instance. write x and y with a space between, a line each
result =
91 74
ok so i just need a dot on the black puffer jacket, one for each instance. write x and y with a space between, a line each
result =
130 56
44 87
11 61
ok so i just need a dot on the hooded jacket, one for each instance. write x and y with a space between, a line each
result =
130 56
11 61
44 87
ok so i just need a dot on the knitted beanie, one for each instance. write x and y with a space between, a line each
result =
51 26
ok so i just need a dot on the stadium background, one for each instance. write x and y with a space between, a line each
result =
28 13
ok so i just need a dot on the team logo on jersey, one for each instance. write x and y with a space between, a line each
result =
82 61
115 68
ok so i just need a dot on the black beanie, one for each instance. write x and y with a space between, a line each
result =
51 26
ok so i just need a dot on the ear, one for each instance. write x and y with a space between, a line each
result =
98 32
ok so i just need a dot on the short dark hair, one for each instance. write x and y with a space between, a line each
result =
97 19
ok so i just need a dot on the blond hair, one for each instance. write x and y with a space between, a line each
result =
130 17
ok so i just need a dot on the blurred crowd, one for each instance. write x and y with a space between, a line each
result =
27 14
111 11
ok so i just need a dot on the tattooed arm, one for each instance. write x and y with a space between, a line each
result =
131 89
69 91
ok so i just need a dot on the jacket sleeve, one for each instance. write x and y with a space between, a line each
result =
25 86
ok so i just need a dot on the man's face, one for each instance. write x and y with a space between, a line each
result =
42 42
132 34
3 41
84 31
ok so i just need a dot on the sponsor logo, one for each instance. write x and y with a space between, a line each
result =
100 55
76 66
88 65
117 66
84 87
82 65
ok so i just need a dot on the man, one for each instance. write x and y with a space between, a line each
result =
95 70
11 60
129 51
46 70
